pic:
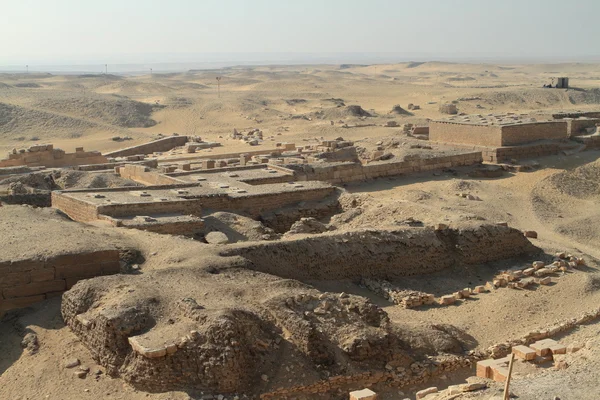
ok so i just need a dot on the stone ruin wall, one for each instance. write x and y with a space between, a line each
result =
160 145
496 135
356 172
252 204
452 132
578 127
525 133
143 174
48 156
382 254
26 282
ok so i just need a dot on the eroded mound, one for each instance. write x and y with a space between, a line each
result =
232 324
570 202
384 254
240 338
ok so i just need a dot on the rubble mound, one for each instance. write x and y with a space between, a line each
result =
233 345
307 225
238 228
397 109
570 201
383 253
356 111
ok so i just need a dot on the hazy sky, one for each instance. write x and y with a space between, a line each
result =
146 31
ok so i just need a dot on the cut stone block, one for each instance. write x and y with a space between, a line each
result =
528 271
484 368
422 393
542 347
365 394
479 289
558 349
524 353
447 300
538 264
499 374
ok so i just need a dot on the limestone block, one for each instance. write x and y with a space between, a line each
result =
364 394
545 281
524 353
422 393
447 300
484 368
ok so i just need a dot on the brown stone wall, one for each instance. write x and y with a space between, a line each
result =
356 172
160 207
75 209
450 132
143 174
26 282
53 158
530 132
164 144
577 127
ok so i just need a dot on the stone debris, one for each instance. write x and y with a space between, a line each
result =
72 363
422 393
216 238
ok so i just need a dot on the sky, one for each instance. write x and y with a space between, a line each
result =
83 32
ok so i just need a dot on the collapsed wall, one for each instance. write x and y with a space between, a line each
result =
382 254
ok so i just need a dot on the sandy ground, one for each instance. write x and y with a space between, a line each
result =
89 110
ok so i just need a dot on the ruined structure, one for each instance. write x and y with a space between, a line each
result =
45 155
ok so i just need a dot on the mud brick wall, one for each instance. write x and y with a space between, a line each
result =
451 132
164 144
26 282
530 132
75 209
578 127
382 254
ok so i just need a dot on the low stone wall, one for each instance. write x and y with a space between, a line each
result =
532 131
75 209
164 144
338 173
382 254
25 282
578 126
143 174
504 154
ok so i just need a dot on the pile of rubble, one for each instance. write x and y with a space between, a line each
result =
403 298
252 137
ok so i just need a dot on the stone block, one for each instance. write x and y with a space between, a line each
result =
364 394
20 302
545 281
558 349
499 374
524 353
34 289
422 393
41 275
479 289
447 300
542 347
528 271
484 368
14 279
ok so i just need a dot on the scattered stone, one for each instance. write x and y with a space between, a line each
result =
216 238
72 363
530 234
